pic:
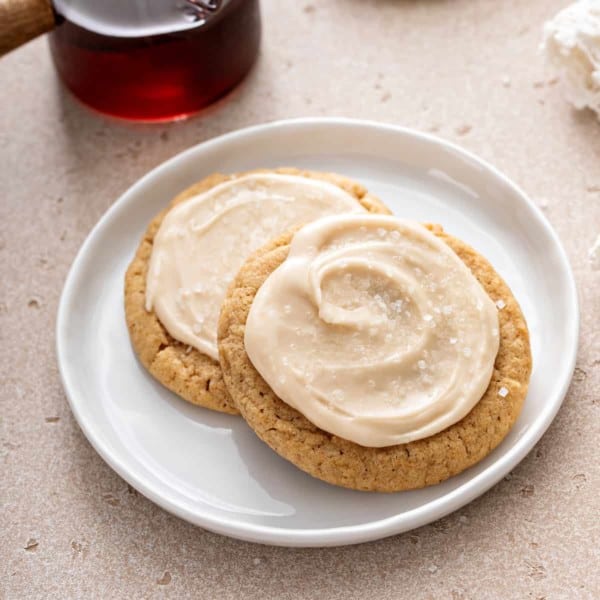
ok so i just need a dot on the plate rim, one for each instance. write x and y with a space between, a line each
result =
347 534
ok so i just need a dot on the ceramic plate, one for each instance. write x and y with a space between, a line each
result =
210 468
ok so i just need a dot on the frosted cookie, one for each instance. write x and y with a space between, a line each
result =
374 353
192 250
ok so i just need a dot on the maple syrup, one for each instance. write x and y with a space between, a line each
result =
154 59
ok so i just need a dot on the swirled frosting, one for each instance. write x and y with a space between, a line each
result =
203 241
374 330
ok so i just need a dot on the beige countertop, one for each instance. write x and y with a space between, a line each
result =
466 69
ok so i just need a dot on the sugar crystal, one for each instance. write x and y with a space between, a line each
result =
337 394
396 306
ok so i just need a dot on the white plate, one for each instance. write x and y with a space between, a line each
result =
210 468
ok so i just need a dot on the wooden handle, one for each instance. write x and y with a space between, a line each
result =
22 20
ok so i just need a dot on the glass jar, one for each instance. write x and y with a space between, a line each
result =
154 59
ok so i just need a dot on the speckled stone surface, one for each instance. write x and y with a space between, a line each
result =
466 69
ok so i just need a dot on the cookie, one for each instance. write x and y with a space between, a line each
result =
338 461
184 370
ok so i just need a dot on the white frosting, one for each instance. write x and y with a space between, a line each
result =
202 243
572 46
374 329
